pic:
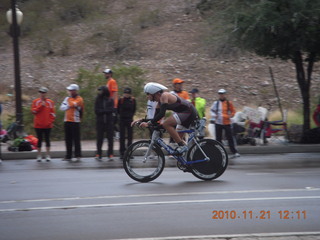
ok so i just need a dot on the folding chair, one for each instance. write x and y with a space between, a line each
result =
277 129
256 125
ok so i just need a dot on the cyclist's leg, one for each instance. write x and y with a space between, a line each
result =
181 134
170 125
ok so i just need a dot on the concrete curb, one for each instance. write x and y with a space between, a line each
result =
266 149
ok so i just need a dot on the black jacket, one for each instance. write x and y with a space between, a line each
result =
104 106
126 108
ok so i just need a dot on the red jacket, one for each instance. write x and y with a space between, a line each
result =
316 115
44 116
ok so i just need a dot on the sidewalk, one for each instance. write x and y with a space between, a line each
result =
89 149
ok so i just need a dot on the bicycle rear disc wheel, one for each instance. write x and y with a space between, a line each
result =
140 167
215 166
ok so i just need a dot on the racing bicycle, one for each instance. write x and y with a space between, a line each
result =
206 159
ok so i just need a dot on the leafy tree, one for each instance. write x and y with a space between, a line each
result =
285 29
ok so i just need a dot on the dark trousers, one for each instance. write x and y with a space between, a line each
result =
101 129
43 131
229 136
72 138
125 130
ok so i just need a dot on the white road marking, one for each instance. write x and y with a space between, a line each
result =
158 203
307 189
231 236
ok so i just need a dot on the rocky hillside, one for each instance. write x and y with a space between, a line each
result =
166 38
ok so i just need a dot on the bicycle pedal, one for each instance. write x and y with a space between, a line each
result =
181 150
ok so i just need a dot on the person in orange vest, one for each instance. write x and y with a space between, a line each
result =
178 88
44 115
73 107
221 112
112 86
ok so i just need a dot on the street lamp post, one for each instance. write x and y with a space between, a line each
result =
14 17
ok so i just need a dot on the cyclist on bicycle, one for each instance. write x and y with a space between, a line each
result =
184 113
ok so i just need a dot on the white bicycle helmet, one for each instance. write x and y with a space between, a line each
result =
152 87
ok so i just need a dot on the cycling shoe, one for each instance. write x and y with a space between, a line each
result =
181 150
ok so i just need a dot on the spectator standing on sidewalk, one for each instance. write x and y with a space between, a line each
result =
73 107
178 88
200 105
126 111
221 112
0 130
198 102
316 115
0 116
104 110
44 115
113 89
178 91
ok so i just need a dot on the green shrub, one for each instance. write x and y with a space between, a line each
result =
89 81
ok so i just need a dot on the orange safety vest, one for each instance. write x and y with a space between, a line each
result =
113 87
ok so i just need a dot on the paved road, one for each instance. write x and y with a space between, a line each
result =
89 200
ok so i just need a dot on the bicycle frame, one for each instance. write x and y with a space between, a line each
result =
156 139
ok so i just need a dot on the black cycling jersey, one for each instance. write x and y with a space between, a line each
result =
184 109
180 105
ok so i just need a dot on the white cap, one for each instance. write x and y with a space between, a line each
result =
43 89
107 70
222 91
73 87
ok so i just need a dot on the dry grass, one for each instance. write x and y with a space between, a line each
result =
5 98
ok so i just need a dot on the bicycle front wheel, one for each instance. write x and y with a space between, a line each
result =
212 168
141 165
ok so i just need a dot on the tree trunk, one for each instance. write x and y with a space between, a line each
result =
304 85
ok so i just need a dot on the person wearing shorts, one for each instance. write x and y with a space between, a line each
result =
184 113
